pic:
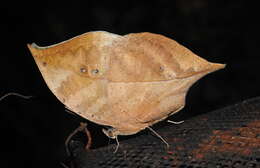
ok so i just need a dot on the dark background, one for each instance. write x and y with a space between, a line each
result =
33 131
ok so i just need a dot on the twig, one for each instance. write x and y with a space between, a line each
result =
89 143
82 127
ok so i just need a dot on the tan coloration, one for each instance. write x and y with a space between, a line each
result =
146 57
127 82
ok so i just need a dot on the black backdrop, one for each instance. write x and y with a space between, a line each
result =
33 131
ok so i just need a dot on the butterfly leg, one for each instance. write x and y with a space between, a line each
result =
113 134
14 94
159 136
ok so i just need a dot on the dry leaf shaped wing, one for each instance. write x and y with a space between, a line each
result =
127 82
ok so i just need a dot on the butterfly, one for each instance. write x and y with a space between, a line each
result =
126 82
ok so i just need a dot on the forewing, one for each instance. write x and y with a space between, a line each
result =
75 71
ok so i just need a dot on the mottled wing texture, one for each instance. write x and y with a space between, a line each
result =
75 71
149 76
127 82
147 57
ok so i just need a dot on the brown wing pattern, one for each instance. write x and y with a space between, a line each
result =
127 82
